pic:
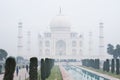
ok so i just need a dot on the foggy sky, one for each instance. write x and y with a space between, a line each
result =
85 16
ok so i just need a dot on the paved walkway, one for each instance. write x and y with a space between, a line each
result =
21 76
65 74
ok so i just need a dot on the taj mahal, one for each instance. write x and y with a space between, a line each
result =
60 41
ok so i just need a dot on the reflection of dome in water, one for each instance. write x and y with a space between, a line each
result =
60 21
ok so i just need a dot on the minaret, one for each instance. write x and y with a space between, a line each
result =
90 44
20 39
101 40
81 45
29 42
40 48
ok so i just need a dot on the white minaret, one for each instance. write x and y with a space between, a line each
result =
29 42
40 46
81 45
20 39
90 44
101 40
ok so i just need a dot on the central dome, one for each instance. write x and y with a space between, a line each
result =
60 21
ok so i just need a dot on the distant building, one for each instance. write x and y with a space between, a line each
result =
60 41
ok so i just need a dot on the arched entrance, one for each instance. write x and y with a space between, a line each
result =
60 47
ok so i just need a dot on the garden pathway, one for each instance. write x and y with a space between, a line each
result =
65 74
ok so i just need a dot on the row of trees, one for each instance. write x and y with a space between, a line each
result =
114 67
94 63
108 65
46 66
114 51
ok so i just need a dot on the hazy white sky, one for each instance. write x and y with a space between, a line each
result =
36 15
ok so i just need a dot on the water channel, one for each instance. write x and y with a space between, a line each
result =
80 74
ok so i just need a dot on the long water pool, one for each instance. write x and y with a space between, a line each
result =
80 74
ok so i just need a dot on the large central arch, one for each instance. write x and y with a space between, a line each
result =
60 47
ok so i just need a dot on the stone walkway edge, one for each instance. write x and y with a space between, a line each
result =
65 74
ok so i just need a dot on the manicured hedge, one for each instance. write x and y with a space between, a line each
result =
33 68
46 66
9 68
117 66
113 66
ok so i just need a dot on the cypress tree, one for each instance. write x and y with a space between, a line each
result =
107 65
112 66
9 68
97 64
47 67
117 66
104 66
43 71
33 68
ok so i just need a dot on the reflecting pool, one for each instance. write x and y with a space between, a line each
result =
80 74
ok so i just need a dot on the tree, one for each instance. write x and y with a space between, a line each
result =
43 70
113 66
107 65
115 52
33 68
47 67
104 66
110 49
117 66
10 65
3 54
97 63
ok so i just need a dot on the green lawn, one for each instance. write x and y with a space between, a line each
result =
103 72
55 74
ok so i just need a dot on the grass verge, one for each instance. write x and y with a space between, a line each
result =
55 74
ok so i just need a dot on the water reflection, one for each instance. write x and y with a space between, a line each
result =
80 74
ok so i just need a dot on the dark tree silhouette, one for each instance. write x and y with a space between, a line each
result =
110 49
113 66
115 52
10 65
104 66
107 65
117 66
33 68
42 68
